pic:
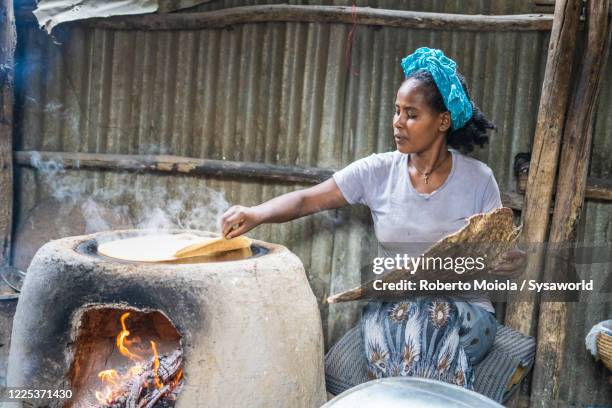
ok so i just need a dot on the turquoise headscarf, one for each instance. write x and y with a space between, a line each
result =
444 72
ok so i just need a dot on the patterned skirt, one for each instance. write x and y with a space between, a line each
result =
436 338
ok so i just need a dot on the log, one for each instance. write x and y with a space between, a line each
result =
545 152
177 165
169 366
194 166
319 14
8 39
570 195
596 188
168 369
155 396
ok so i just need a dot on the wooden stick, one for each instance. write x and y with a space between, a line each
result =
570 194
179 165
154 397
596 188
8 39
545 152
321 14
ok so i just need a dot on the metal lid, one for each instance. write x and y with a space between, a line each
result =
413 392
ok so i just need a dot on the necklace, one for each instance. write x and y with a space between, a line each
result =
426 174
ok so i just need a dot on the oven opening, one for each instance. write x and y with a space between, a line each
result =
125 358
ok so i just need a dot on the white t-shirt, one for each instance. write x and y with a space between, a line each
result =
402 215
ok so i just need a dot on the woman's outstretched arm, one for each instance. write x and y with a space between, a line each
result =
324 196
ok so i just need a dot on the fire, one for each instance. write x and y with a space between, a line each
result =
121 338
158 383
110 376
114 381
179 376
105 398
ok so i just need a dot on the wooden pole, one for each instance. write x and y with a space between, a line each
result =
570 194
545 152
321 14
177 165
8 39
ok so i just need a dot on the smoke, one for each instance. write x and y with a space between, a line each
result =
128 203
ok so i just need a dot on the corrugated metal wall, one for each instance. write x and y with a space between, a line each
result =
284 93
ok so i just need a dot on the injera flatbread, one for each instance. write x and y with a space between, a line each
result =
162 247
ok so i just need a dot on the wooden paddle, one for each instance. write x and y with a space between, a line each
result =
217 245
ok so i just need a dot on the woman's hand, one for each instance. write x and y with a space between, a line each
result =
512 265
238 220
324 196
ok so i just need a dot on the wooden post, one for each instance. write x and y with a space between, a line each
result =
8 39
570 194
545 152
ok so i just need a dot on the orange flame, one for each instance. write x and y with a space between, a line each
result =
105 398
178 376
114 381
121 340
110 376
158 383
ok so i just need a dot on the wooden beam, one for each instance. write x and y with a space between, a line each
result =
177 165
194 166
570 194
320 14
545 152
544 6
596 188
8 39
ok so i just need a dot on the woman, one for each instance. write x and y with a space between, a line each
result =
421 192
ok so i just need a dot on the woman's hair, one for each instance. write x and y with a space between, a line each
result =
474 132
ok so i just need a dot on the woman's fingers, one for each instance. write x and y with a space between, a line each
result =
232 224
230 219
228 213
237 231
238 220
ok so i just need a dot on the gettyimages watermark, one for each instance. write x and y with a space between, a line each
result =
560 272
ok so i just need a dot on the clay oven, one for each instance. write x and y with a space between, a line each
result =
241 330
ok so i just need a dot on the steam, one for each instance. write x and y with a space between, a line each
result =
94 217
131 204
62 186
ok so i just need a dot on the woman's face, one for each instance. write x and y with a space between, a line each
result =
416 126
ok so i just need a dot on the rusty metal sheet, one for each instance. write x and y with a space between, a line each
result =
50 13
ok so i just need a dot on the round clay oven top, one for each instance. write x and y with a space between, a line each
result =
144 246
159 247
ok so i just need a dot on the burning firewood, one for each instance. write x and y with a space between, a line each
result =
142 392
169 366
148 383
